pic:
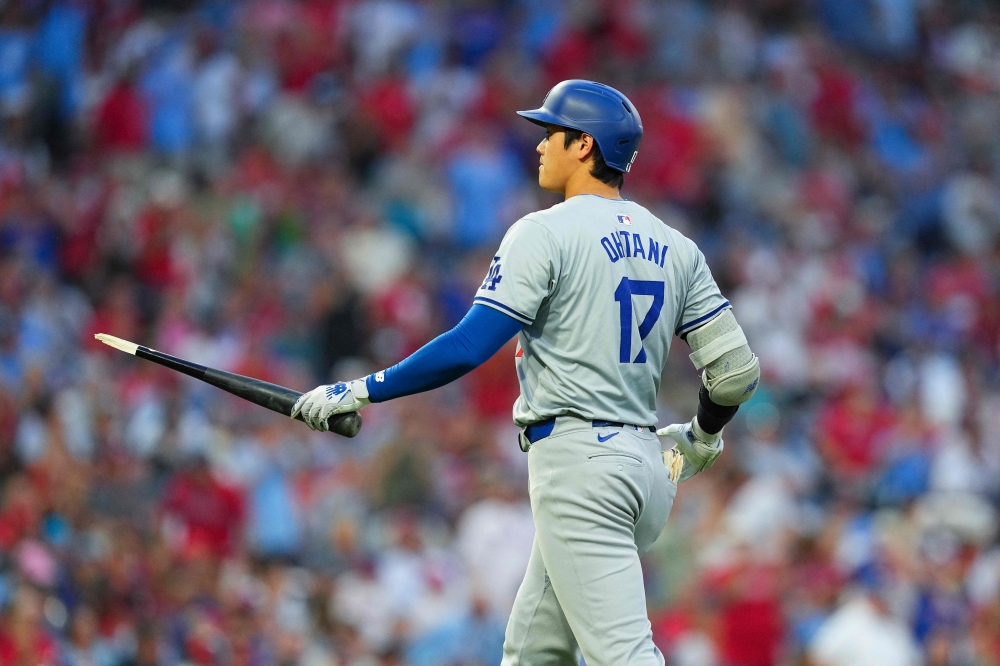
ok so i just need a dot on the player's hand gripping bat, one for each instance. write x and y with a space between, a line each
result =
276 398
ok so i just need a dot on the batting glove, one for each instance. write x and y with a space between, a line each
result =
698 448
318 405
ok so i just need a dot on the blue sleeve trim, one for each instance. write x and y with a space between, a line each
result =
691 324
489 301
479 336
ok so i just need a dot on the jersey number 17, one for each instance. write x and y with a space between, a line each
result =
623 294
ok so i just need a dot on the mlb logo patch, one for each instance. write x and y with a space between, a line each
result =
625 219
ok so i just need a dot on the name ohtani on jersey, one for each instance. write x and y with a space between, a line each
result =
627 245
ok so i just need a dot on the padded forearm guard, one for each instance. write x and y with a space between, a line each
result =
731 371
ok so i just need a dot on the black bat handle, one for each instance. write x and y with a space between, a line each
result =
347 425
276 398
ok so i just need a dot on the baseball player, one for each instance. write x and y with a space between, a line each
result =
595 288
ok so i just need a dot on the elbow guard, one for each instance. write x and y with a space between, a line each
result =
731 371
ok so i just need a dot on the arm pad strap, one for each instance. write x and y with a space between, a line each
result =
715 349
715 339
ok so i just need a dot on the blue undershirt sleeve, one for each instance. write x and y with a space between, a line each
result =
480 335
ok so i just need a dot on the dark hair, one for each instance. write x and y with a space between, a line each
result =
601 171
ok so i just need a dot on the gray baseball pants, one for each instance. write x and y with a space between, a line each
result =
598 506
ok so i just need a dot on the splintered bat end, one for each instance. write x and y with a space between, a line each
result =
117 343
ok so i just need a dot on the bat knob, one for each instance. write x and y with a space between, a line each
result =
347 425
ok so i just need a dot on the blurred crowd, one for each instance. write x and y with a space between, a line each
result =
308 191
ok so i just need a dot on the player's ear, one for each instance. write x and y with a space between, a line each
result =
586 147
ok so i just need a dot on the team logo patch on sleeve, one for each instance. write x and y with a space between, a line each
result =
493 277
625 219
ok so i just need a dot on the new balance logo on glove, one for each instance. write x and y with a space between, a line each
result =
337 389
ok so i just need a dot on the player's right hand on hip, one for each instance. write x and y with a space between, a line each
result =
318 405
699 448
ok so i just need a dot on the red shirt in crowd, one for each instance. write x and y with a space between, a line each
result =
493 388
751 632
849 431
121 120
39 650
211 512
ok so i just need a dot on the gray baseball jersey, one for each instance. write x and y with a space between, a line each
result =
602 286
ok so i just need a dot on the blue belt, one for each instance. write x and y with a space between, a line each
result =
543 429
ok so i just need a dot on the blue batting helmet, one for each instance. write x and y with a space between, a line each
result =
600 111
